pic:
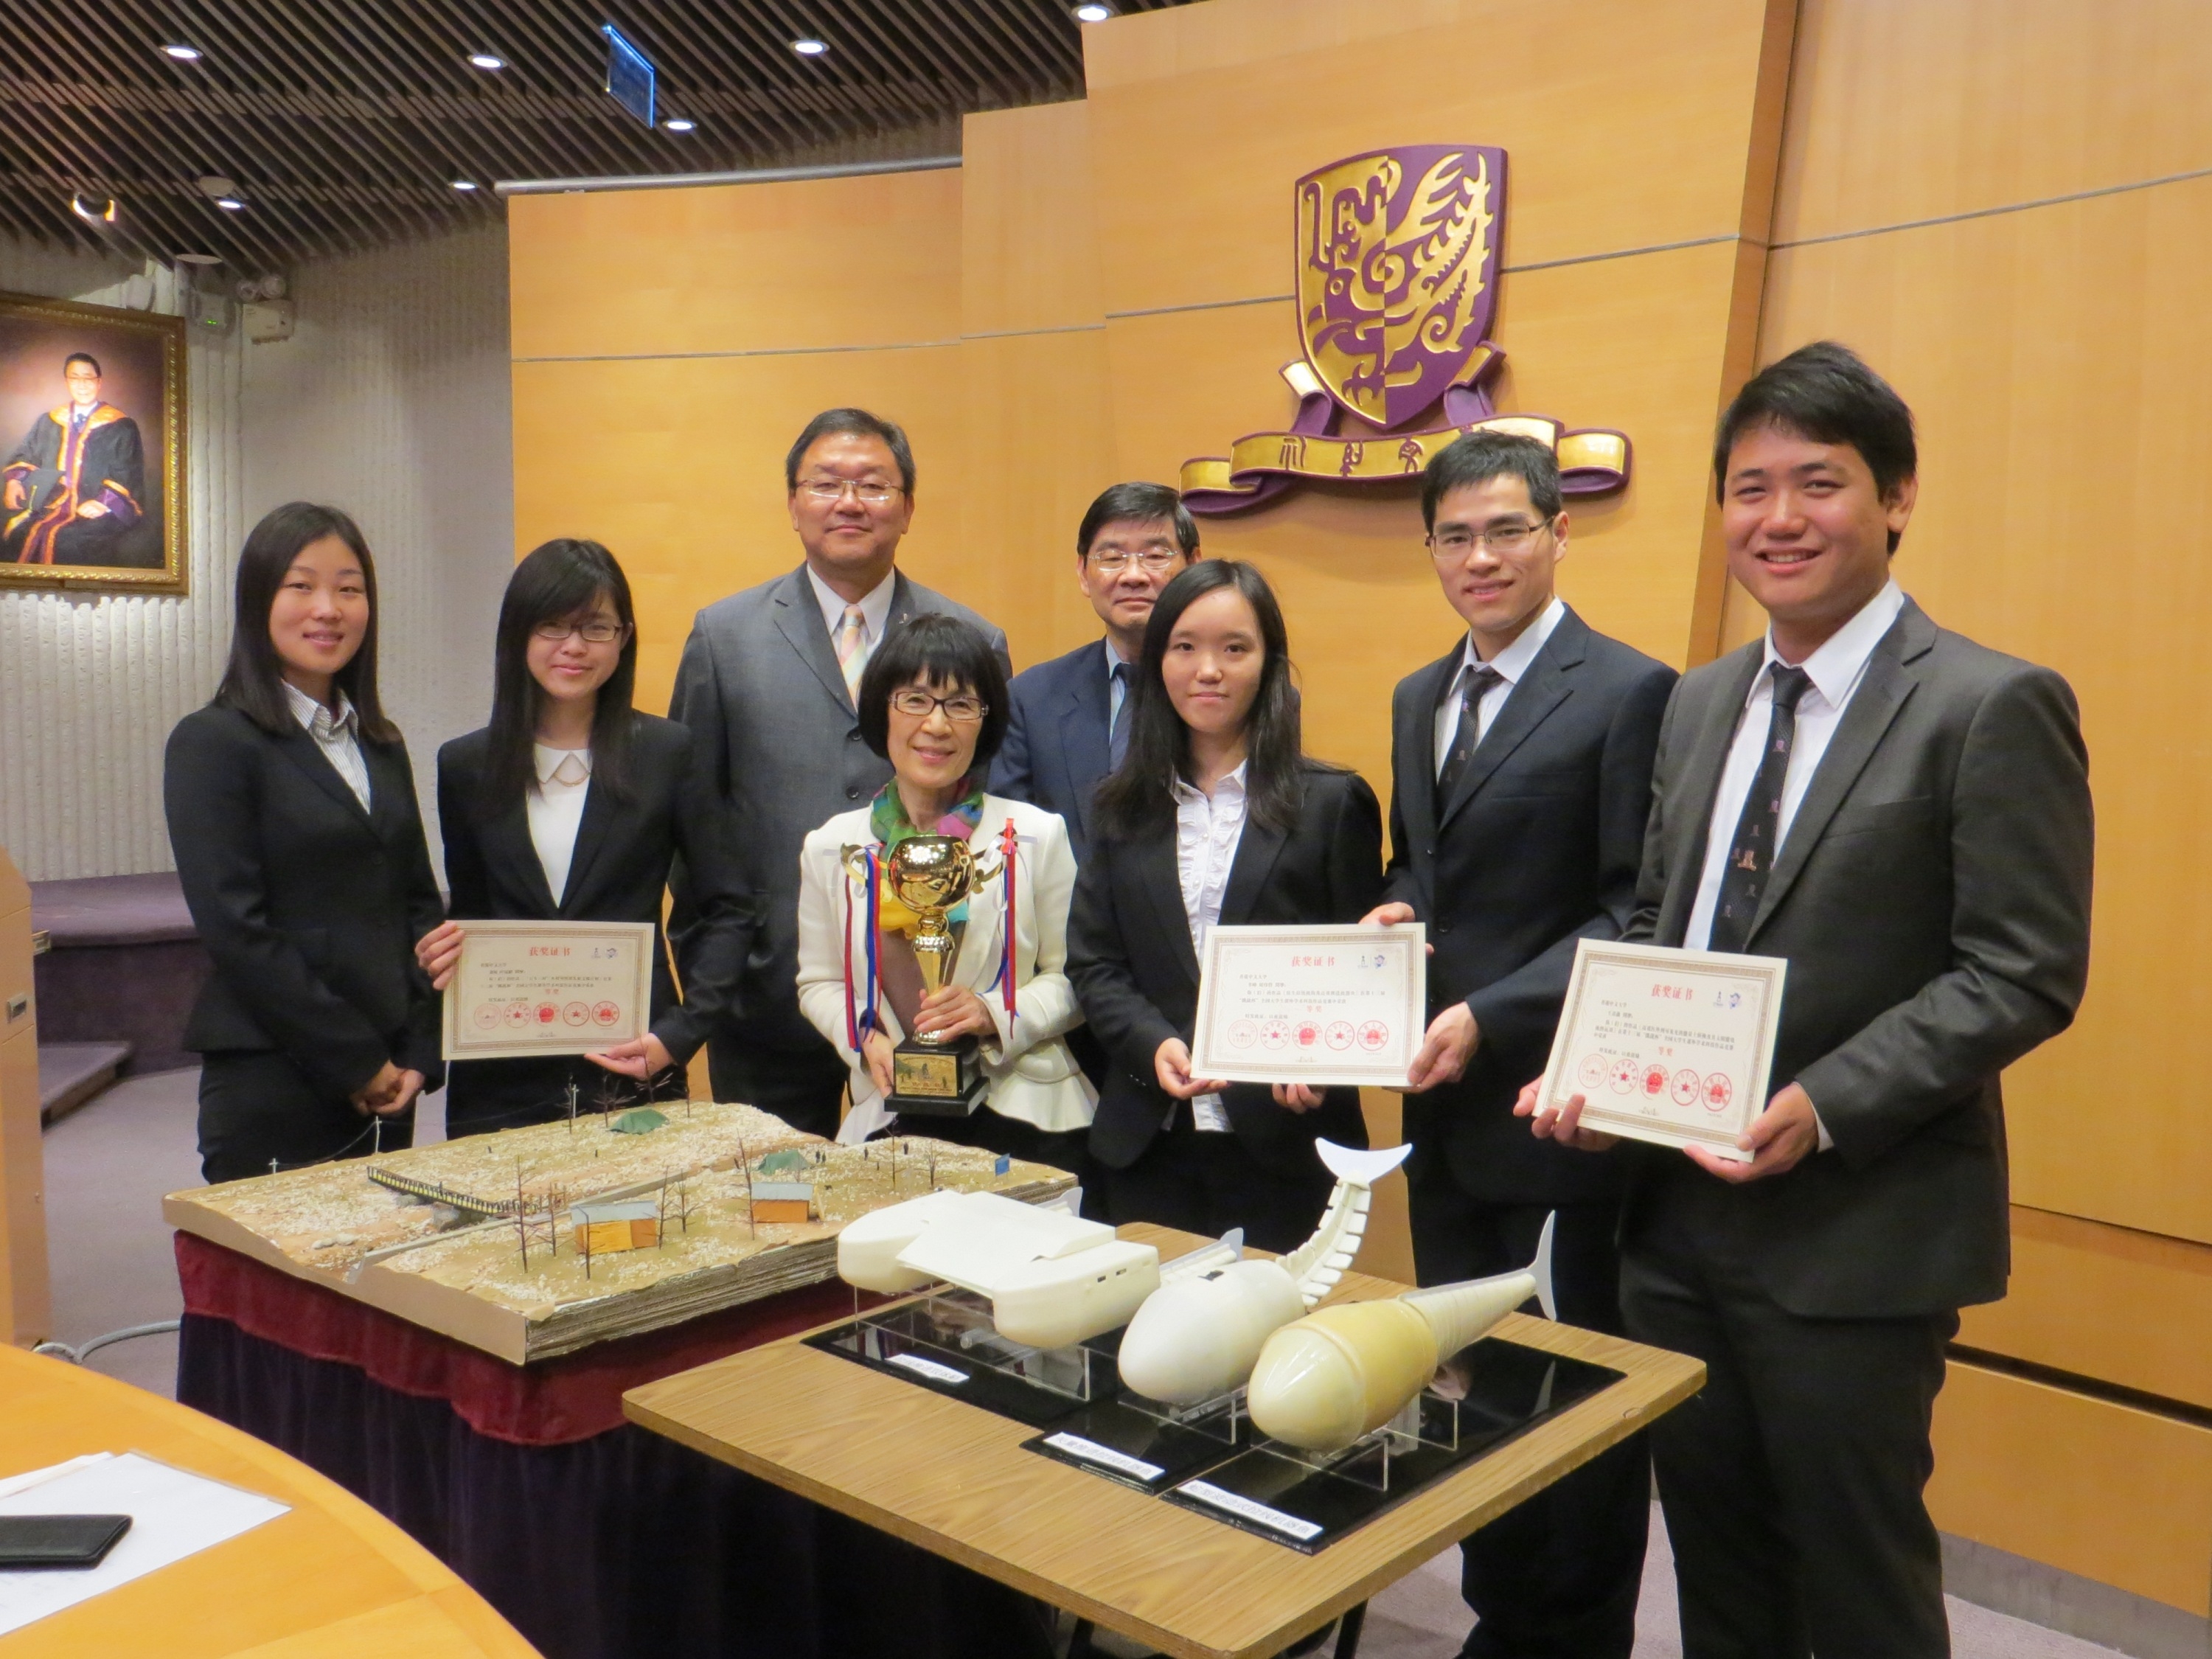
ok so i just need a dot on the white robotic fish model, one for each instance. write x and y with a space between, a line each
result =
1323 1381
1197 1335
1052 1277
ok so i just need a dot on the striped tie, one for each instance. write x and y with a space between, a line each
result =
853 650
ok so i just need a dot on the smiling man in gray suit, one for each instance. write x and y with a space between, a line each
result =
1903 815
766 687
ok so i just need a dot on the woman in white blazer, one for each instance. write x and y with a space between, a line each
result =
933 703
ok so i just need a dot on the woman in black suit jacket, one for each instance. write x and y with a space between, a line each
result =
291 811
571 805
1215 817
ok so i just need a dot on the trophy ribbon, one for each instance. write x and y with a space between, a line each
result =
859 863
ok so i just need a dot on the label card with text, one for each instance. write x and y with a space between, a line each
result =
1667 1045
549 987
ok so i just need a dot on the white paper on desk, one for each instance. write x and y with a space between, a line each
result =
172 1514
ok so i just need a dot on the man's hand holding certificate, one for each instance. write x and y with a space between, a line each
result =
1322 1006
1665 1045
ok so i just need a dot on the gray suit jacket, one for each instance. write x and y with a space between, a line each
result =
1932 898
773 727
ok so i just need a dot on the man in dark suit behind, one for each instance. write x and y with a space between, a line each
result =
1064 732
1521 768
1904 817
766 687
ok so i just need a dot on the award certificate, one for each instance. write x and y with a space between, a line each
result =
1321 1005
1667 1045
549 987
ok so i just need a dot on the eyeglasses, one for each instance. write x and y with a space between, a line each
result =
595 632
1153 561
1504 539
829 491
964 709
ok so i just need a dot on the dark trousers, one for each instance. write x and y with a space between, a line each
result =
257 1108
1210 1182
1793 1481
805 1087
1557 1576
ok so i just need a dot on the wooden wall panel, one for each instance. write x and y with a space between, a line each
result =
2114 1494
25 1289
2126 1307
1028 226
1631 128
1905 110
2059 361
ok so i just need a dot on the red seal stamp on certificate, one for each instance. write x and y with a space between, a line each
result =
1243 1034
1623 1077
576 1013
1655 1079
1373 1035
1718 1092
1339 1035
606 1014
486 1016
1275 1034
1591 1071
1687 1087
547 1013
1309 1034
518 1015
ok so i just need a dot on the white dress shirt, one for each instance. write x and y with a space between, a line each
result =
336 735
1511 664
875 609
555 809
1835 670
1207 829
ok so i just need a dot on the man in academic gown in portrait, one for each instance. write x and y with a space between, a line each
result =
76 481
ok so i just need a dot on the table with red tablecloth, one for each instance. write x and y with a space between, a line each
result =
595 1539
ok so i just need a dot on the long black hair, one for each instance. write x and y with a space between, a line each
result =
1141 793
253 679
561 581
938 650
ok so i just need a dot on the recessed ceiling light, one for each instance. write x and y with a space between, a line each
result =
808 46
230 203
464 183
198 258
678 123
103 213
181 52
485 60
1092 12
214 184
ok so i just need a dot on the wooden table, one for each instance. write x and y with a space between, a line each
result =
953 1479
332 1579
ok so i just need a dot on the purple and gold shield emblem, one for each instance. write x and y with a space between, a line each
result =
1397 257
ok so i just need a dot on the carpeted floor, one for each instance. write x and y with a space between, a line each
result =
108 1164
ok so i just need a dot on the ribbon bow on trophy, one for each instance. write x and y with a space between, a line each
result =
912 888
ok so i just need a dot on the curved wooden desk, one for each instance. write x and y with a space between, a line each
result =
332 1579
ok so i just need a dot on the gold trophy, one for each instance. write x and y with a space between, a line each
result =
931 1076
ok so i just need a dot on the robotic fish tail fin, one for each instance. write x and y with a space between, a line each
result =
1317 1264
1541 1269
1457 1314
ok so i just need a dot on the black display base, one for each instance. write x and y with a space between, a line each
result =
1214 1462
1307 1503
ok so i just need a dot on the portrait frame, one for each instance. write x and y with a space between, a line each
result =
143 360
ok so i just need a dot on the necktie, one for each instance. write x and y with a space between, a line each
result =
1473 683
853 650
1752 854
1117 719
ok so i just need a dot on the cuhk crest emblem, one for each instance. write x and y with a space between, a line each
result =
1397 271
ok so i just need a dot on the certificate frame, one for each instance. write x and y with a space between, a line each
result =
489 974
1699 1098
1370 1042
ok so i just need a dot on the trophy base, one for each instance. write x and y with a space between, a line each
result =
931 1079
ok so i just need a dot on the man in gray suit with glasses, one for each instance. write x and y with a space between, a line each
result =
766 687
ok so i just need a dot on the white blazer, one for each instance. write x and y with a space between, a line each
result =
1032 1076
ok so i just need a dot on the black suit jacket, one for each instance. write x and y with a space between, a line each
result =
618 871
1932 899
1538 847
309 905
1055 751
1136 974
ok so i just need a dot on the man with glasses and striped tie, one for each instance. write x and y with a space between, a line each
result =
766 686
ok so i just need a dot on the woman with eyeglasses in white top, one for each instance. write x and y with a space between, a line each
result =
572 805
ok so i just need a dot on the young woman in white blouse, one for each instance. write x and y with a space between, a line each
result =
573 805
933 703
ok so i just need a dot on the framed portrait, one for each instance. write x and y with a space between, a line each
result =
92 448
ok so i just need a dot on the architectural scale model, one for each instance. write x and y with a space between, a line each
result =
1343 1371
1200 1334
483 1239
